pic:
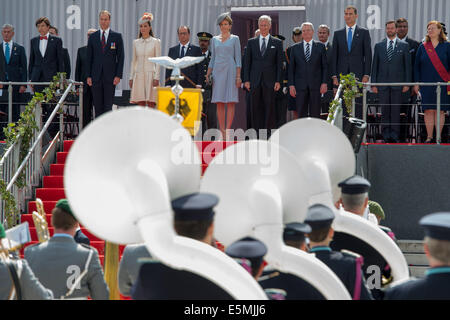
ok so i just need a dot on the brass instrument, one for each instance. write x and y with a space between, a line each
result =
40 222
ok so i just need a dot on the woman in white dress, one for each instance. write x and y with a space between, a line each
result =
144 77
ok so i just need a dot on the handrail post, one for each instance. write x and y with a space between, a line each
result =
80 106
61 123
438 115
10 106
365 111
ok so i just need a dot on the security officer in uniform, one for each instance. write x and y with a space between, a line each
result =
281 96
346 266
60 262
25 286
294 235
193 218
209 115
355 200
297 38
436 283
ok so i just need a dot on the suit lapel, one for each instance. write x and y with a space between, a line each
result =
355 38
50 42
302 51
384 51
2 53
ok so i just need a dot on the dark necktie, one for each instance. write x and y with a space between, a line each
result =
349 39
390 50
7 53
182 52
103 41
308 53
263 47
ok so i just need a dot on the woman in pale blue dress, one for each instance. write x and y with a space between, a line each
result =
225 67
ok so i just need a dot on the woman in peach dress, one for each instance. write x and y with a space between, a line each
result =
144 77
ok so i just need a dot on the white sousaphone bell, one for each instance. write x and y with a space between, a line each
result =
257 183
120 177
326 155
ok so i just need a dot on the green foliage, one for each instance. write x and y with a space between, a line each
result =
23 131
350 89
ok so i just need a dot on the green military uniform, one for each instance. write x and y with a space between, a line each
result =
129 266
30 287
60 261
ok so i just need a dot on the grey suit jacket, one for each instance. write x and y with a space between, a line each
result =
396 70
32 289
129 266
58 262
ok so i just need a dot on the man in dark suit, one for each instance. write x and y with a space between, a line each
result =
209 114
352 53
391 63
81 75
296 38
46 60
323 33
308 72
67 66
105 58
14 63
408 97
192 75
46 54
263 74
282 95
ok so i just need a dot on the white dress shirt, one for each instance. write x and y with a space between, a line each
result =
310 47
186 46
10 48
353 31
389 40
106 34
43 44
261 41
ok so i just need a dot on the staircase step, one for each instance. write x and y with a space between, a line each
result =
417 271
48 206
50 194
68 144
411 246
57 169
416 259
29 218
61 157
52 231
53 182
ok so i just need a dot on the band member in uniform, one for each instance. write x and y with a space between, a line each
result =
296 288
294 235
355 200
209 115
29 286
193 218
296 37
345 266
249 253
436 283
60 262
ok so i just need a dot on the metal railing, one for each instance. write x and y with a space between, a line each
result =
367 86
33 163
338 113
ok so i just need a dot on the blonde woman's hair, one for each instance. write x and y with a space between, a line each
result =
442 36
